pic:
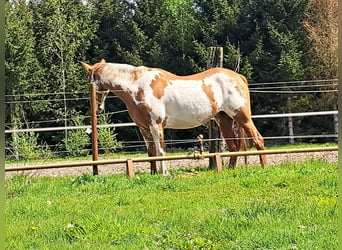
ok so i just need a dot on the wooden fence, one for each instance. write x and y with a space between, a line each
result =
217 159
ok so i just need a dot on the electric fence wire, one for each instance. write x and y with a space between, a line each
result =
263 89
249 84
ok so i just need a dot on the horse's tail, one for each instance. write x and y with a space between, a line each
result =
244 79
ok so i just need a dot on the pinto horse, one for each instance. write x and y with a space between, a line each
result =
157 99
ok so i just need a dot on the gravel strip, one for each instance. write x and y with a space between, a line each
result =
329 156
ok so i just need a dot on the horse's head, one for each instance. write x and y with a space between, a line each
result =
100 100
95 78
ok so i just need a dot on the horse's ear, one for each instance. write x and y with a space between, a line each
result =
87 67
103 61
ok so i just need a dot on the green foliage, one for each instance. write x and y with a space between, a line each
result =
45 40
107 137
291 206
77 141
23 73
25 146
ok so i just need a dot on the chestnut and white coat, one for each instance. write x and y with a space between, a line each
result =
157 99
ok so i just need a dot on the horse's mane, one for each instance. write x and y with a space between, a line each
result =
121 72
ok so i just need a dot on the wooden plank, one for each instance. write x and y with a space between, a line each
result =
167 158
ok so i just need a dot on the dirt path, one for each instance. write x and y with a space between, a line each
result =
175 164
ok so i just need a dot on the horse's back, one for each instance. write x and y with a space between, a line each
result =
201 75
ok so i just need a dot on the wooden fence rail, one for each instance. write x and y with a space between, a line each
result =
130 161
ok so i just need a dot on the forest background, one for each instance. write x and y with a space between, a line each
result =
269 41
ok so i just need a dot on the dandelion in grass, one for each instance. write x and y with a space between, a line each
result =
75 228
70 226
34 228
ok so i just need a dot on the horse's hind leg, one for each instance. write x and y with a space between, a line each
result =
226 126
245 120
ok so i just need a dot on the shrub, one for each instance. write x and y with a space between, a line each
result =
25 146
77 141
107 137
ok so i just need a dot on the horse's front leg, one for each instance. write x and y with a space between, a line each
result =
157 132
151 150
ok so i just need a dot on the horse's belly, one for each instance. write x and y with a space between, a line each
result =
183 118
188 108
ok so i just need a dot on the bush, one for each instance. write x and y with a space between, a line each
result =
107 137
25 146
77 141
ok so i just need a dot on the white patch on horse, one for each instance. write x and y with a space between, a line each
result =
226 94
144 83
186 104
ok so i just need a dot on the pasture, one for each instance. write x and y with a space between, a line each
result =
289 206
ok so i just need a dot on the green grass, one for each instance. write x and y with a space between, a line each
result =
303 145
292 206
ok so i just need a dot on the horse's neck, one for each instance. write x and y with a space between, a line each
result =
121 79
122 75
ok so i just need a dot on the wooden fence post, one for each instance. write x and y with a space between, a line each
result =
129 168
94 144
215 59
218 161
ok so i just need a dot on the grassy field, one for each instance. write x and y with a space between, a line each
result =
292 206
